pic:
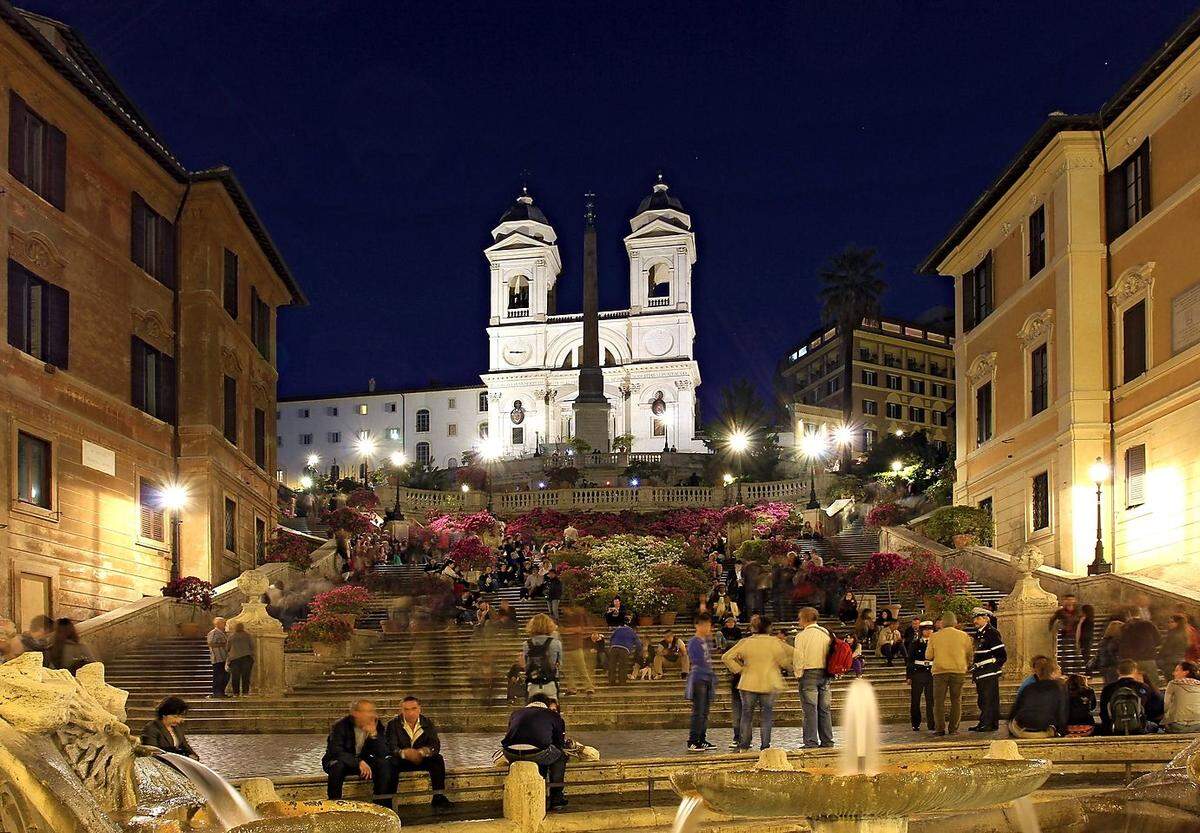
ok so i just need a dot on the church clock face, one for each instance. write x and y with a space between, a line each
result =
658 342
517 353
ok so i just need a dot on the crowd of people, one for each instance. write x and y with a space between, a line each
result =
56 640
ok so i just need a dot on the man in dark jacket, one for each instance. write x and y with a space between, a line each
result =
986 667
919 673
1127 670
357 747
538 735
415 745
554 592
1040 710
1139 642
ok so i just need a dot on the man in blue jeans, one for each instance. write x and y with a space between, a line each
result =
700 684
812 649
760 659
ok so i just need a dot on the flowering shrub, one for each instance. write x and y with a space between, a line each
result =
347 520
469 553
885 514
680 586
880 567
363 499
925 576
284 547
347 599
329 630
624 565
476 523
756 550
190 590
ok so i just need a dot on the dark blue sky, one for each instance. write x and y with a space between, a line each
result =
380 142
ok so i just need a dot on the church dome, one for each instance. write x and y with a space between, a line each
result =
523 210
660 199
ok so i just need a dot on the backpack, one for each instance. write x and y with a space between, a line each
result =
1126 712
839 658
538 668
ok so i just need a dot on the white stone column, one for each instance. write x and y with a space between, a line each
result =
267 678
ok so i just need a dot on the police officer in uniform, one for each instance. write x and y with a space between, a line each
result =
988 663
918 671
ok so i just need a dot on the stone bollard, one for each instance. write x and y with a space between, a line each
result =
525 797
267 677
774 760
1024 616
258 791
1003 750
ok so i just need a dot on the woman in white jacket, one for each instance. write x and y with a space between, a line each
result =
1182 700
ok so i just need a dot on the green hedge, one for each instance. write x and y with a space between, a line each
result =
949 521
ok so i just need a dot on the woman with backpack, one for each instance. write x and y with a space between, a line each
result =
543 656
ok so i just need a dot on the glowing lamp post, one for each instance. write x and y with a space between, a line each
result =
1099 472
397 460
365 446
813 445
173 498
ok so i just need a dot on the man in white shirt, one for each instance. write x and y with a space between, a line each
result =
811 652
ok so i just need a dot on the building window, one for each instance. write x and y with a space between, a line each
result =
332 410
230 525
894 382
893 410
33 470
302 413
869 436
153 242
870 377
37 153
306 439
362 433
260 438
152 525
452 430
939 418
1127 192
260 539
281 475
393 433
362 472
916 386
977 300
389 407
451 403
518 435
658 428
483 402
362 410
983 413
422 421
39 316
229 294
1041 501
870 407
939 390
916 414
1037 241
986 505
335 437
422 454
229 422
260 324
1133 341
1135 476
278 439
152 381
1039 393
518 293
832 386
483 430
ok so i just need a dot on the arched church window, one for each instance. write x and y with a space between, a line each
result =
609 359
422 420
518 292
422 454
660 281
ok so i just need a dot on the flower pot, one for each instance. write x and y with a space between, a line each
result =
667 618
190 630
327 650
394 626
964 539
349 618
645 621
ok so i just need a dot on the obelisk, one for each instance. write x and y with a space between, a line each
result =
591 405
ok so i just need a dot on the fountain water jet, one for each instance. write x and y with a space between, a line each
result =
860 731
227 805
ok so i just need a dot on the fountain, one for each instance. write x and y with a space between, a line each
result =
69 764
860 796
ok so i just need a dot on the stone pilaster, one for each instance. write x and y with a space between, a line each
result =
268 676
1024 615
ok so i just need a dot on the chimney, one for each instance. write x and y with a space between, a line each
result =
371 385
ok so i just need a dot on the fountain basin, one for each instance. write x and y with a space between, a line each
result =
321 817
894 792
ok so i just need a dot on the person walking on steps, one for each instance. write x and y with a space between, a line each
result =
918 672
988 662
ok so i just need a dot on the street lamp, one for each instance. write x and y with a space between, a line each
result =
396 458
739 442
813 445
306 482
173 498
365 446
897 467
313 460
1099 472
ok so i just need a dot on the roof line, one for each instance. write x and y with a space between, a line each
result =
1112 109
356 394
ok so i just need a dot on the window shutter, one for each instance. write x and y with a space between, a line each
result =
166 388
56 167
231 284
1135 476
229 427
1144 153
166 255
16 136
58 325
1133 341
137 233
137 374
18 294
260 438
968 300
986 288
1114 202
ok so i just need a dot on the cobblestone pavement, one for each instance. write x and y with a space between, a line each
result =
241 756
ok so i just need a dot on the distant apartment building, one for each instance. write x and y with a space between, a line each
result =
1079 330
138 346
348 433
902 380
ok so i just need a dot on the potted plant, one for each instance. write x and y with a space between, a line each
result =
326 634
347 603
193 591
288 548
471 556
924 578
959 526
884 514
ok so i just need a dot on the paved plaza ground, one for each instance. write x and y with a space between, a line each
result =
242 756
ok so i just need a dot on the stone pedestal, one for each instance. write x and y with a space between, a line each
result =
268 676
1024 616
525 797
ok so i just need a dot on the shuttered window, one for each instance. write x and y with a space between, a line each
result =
152 242
983 413
1135 476
1041 501
152 517
977 300
152 381
1039 393
1133 342
1127 192
34 470
39 316
230 525
37 153
229 292
260 324
229 400
1037 240
260 438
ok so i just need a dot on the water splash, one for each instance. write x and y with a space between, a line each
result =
227 805
686 818
860 730
1024 816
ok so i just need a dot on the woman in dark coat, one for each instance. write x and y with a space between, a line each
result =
165 731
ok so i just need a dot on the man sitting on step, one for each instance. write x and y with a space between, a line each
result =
415 746
538 734
358 747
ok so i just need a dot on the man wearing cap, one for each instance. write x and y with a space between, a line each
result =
919 674
987 664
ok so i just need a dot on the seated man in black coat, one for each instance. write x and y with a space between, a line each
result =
358 747
538 734
415 745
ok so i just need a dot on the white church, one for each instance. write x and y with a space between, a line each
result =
525 400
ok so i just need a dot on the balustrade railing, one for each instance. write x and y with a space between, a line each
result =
658 302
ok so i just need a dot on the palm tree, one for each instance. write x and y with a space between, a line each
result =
850 291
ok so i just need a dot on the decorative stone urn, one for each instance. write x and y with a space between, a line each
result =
1024 613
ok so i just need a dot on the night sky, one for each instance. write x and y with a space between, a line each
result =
381 142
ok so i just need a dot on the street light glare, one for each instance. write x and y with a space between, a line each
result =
397 459
313 459
727 479
465 488
489 449
365 446
843 435
173 497
813 445
897 466
306 482
1099 471
739 441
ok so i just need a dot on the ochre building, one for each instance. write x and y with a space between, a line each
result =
138 348
1078 318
